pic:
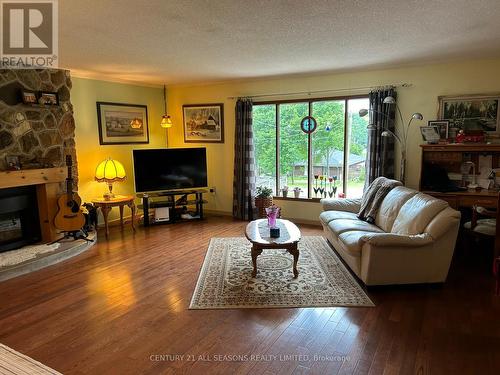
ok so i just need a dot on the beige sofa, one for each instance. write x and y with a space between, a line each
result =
412 241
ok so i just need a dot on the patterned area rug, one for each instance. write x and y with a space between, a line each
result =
226 282
12 362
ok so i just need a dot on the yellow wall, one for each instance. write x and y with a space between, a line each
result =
429 82
84 95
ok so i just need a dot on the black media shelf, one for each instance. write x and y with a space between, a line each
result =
177 201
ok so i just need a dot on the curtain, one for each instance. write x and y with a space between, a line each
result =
244 162
380 150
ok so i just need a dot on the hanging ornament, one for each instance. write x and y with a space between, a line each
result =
308 124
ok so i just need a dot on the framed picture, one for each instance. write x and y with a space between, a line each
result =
430 134
48 98
204 123
472 112
121 124
13 163
442 125
29 97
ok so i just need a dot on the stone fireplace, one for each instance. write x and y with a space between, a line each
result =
39 136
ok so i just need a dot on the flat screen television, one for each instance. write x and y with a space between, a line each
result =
170 169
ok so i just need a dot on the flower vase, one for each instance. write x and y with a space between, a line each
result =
272 215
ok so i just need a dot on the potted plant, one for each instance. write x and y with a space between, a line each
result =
263 199
296 191
285 191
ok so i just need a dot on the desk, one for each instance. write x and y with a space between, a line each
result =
117 200
450 158
458 199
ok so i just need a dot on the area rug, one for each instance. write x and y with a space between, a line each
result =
225 280
12 362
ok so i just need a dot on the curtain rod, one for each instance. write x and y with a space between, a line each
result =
404 84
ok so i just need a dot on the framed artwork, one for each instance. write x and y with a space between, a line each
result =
48 98
430 134
442 125
471 112
29 97
203 123
13 162
121 124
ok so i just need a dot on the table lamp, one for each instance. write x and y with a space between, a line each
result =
110 171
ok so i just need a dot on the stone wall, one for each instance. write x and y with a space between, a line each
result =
40 135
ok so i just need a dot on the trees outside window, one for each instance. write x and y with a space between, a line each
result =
336 150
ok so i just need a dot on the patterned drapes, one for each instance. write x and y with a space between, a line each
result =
380 150
244 162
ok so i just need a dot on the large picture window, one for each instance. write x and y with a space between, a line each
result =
333 155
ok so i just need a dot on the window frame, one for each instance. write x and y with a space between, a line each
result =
309 102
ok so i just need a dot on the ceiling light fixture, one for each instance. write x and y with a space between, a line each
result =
166 121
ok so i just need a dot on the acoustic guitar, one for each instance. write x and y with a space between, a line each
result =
69 218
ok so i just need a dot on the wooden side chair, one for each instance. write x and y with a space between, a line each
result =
485 224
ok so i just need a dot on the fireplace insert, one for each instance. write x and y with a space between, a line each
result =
19 219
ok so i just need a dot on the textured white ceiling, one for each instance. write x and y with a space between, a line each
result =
157 42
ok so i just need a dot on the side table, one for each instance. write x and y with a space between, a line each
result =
117 200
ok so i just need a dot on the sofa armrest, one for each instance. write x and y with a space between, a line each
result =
341 204
391 239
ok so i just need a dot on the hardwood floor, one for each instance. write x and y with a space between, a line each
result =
120 307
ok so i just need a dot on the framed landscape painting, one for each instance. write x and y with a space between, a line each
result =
203 123
122 123
471 112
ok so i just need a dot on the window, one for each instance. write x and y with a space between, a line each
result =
329 161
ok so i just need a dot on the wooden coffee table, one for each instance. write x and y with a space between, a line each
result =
257 232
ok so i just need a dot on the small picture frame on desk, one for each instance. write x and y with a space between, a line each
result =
443 126
430 134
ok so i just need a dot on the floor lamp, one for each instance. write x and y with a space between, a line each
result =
401 137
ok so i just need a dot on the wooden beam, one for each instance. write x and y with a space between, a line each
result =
10 179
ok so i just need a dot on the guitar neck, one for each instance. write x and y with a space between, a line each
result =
69 182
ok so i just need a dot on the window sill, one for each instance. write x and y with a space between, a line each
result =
313 200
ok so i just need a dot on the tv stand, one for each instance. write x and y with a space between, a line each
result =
176 201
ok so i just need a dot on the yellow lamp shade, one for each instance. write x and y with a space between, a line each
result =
166 121
110 170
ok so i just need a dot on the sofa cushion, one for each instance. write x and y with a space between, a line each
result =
350 241
417 213
344 225
392 203
328 216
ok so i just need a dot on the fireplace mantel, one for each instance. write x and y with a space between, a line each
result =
48 188
9 179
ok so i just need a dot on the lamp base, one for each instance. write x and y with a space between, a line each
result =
109 195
